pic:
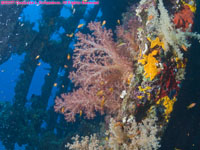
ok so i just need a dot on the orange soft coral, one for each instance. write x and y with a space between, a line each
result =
156 42
184 18
149 63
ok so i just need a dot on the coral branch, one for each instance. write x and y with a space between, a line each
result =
78 101
97 56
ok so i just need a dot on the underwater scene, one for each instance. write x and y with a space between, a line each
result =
100 75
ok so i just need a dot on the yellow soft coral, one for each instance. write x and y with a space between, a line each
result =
156 42
191 5
144 89
168 104
149 63
140 97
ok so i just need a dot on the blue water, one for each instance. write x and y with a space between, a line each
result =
32 16
9 73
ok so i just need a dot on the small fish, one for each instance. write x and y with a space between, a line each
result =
80 113
68 57
48 74
106 138
72 6
80 25
65 66
2 70
191 105
70 35
150 17
111 90
38 56
55 84
118 21
121 44
103 23
62 110
39 64
73 11
63 86
184 47
102 102
100 93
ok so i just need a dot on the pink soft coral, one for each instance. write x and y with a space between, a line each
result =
86 102
77 102
102 69
184 18
98 58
